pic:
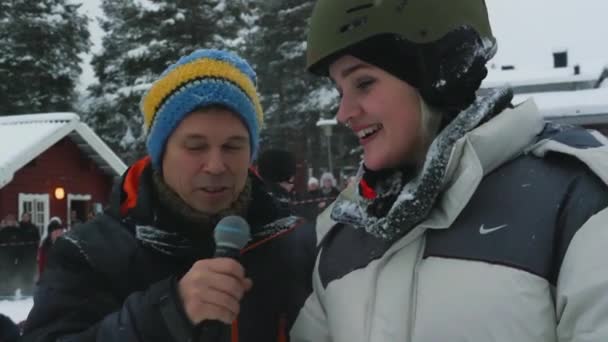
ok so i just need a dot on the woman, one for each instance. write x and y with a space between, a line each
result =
53 231
471 220
328 185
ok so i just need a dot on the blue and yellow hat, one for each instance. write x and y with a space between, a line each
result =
206 77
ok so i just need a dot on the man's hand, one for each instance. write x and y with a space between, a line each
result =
212 290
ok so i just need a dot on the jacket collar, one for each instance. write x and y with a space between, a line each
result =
480 152
133 203
476 154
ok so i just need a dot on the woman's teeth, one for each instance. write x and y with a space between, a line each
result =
364 133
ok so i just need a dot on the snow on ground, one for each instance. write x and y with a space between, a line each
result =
16 309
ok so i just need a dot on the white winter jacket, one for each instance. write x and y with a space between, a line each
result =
515 249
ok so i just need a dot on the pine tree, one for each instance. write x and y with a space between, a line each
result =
293 99
142 38
39 60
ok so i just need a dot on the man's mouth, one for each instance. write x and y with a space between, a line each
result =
213 190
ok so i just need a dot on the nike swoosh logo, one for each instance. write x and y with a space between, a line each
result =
484 231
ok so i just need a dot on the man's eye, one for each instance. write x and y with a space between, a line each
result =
196 147
232 147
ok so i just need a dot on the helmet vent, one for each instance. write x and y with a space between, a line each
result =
353 24
359 8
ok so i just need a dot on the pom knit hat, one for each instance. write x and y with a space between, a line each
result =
275 165
203 78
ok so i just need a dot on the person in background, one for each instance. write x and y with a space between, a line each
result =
53 231
74 219
312 186
329 185
307 204
18 245
328 190
277 168
9 256
9 221
29 237
90 215
472 219
144 270
28 228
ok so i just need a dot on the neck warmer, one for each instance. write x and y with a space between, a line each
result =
178 228
403 198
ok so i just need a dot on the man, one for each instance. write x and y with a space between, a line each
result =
10 253
144 270
28 227
74 220
277 168
29 238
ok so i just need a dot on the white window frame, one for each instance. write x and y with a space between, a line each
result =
44 198
75 197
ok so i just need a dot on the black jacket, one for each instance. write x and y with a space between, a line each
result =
104 282
9 331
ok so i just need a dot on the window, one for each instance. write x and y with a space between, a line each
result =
38 207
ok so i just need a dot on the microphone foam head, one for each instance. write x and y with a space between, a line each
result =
232 232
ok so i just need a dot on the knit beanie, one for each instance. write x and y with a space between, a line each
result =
447 73
276 165
54 224
204 78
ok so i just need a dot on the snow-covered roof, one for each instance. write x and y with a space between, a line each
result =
526 77
588 106
24 137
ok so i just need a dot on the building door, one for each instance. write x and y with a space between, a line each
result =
78 208
38 207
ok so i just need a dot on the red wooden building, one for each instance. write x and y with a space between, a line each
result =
52 165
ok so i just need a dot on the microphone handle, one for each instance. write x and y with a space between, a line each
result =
213 331
217 330
227 252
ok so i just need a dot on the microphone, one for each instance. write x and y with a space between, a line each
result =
231 234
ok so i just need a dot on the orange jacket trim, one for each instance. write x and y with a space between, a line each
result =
235 331
130 185
271 237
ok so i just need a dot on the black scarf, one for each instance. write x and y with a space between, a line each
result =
179 229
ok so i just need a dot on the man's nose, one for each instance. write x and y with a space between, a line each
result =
215 163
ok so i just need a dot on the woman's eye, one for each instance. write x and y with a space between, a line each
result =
364 84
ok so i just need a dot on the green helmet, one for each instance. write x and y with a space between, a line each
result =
339 24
